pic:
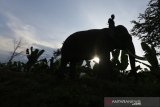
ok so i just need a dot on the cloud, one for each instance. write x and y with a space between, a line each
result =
15 30
19 29
5 43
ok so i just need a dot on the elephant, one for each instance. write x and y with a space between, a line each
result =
84 45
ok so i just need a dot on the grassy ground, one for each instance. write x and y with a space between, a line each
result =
19 89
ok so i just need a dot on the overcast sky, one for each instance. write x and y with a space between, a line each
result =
49 22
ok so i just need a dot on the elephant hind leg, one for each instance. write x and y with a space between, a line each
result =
105 65
62 68
72 72
63 63
104 57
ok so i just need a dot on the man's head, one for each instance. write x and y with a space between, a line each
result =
112 16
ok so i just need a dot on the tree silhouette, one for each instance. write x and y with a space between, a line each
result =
33 56
17 45
148 26
150 54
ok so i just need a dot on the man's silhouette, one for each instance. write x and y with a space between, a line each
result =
111 26
111 21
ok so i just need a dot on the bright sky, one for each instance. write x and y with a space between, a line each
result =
47 23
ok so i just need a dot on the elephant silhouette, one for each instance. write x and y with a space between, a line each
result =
84 45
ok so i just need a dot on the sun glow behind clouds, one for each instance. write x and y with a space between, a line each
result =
96 59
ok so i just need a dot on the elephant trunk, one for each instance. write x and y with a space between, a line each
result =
131 49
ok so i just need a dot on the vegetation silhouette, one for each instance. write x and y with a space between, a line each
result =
40 86
147 27
84 45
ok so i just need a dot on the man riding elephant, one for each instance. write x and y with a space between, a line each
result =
111 21
84 45
111 24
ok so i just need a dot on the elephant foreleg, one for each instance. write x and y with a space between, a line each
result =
105 60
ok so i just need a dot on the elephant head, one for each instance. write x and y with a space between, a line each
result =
124 42
84 45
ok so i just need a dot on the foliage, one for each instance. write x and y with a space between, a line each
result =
42 87
42 65
150 54
34 63
33 56
148 26
55 60
151 57
54 65
17 45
